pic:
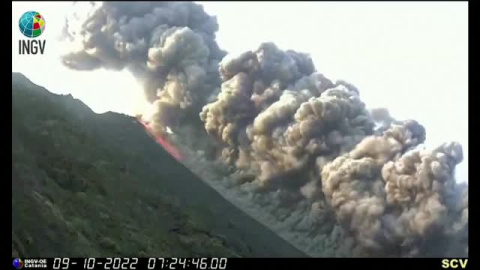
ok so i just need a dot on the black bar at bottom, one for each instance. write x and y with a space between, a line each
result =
236 263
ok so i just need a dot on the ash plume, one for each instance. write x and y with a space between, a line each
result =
395 198
169 46
297 151
307 150
275 115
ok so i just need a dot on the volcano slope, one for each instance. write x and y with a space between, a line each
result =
87 184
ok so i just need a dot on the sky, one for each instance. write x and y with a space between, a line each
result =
410 57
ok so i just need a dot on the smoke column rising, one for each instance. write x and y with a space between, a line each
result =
294 149
169 46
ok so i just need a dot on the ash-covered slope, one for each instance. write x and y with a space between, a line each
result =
85 184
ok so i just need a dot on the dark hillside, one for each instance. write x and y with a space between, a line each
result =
85 184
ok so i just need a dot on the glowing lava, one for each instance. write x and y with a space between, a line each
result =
170 148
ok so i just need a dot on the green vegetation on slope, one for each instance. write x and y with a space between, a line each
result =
97 185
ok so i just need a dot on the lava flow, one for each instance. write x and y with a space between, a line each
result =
170 148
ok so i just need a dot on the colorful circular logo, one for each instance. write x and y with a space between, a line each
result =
32 24
18 263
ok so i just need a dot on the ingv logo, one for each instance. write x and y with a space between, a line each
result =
32 25
454 263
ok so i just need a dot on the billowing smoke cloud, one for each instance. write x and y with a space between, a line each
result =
307 149
275 113
395 198
169 46
300 153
